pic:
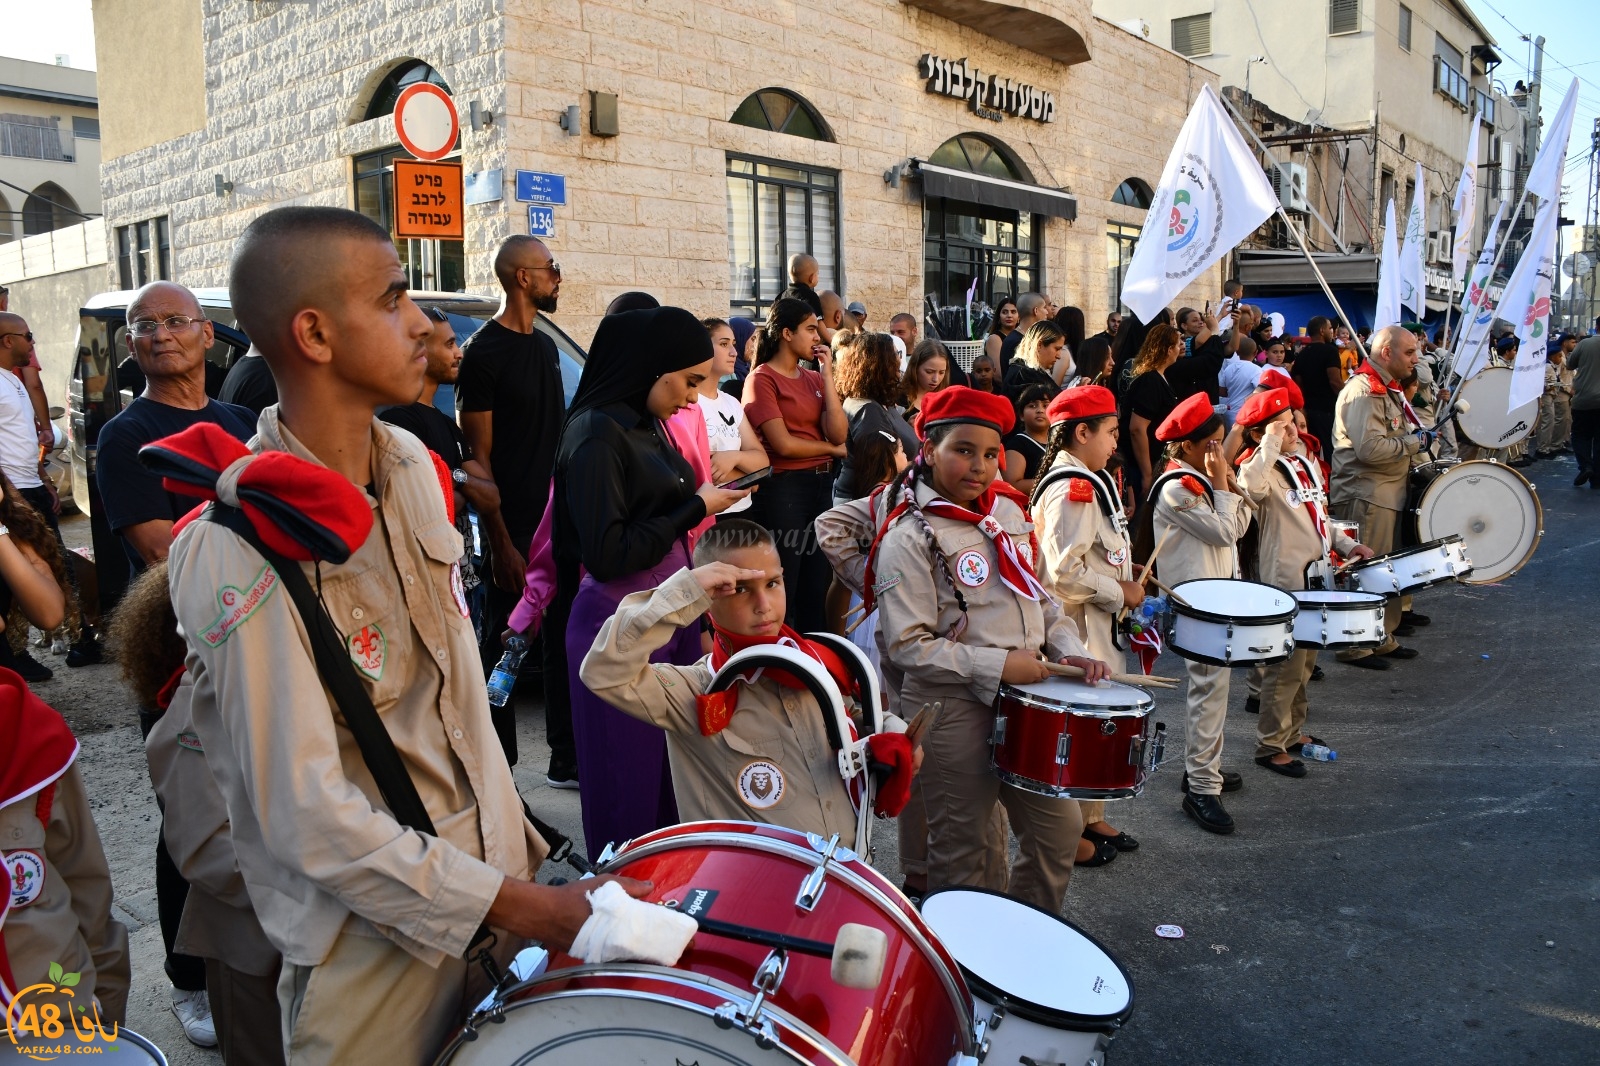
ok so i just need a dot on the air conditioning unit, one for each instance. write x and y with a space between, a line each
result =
1290 181
1440 246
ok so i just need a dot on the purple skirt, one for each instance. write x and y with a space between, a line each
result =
624 781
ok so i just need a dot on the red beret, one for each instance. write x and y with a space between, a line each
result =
1263 406
1187 417
1277 379
958 404
1085 401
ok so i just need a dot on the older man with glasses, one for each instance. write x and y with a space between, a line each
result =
168 336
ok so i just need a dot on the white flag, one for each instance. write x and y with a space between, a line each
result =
1387 313
1544 177
1526 304
1466 206
1213 195
1477 310
1413 279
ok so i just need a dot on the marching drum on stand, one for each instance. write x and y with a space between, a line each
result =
1408 570
1490 508
1483 413
1070 739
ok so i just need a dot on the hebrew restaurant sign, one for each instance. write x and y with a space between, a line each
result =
989 95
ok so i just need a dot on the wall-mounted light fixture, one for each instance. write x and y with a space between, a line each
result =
479 116
572 121
222 185
895 174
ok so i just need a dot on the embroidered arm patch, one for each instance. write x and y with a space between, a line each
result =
1080 491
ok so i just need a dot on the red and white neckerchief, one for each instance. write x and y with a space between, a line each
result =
1015 571
1307 482
1379 387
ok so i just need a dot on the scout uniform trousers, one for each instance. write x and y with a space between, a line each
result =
961 789
1207 710
1380 531
1283 702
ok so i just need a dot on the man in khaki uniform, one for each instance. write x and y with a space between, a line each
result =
1375 438
759 752
372 917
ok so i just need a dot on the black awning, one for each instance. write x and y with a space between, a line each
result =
996 192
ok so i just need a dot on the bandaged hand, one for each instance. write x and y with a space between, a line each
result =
621 928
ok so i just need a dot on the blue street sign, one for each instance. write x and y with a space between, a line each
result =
534 187
541 221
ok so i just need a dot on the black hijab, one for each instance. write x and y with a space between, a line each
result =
631 350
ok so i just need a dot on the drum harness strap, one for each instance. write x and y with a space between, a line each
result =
377 747
1110 501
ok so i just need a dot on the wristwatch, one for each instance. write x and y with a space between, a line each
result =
459 476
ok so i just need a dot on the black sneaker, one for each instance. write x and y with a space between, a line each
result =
563 773
1317 674
1252 705
1581 479
85 652
32 670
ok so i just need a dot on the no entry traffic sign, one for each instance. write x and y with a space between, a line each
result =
426 122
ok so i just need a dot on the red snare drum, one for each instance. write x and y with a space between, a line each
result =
1067 738
706 1008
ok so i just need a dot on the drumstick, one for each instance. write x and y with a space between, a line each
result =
853 626
1173 596
1150 563
1065 670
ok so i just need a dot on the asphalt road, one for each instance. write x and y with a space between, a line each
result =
1432 897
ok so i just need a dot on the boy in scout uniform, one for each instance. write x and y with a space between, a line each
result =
373 917
1085 559
963 613
55 887
758 751
1376 436
1204 516
1293 543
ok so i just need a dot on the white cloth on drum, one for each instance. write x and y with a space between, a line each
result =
624 928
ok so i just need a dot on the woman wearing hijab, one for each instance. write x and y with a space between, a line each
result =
744 349
625 501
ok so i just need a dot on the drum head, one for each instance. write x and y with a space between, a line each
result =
1492 508
1485 422
127 1048
1069 691
1338 599
1224 599
1045 968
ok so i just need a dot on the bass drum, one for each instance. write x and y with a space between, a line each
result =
1485 421
1491 507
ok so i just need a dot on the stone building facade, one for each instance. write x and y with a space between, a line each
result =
273 110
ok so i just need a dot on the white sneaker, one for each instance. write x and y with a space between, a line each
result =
58 646
194 1014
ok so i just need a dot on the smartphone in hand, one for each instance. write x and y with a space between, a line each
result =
739 484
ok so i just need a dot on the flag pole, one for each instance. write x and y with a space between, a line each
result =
1259 143
1323 281
1499 253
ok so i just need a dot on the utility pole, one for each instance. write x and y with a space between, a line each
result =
1591 235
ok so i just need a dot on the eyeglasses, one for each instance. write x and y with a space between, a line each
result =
552 266
146 327
3 336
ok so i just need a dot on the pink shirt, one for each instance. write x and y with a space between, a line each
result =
687 430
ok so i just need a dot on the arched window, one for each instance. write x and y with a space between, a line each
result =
979 154
781 111
388 91
47 208
8 226
1133 193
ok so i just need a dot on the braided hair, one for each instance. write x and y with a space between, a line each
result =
1061 435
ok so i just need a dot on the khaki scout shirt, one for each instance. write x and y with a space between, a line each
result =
1372 444
69 922
1288 541
917 607
844 535
1206 541
773 763
316 845
1084 554
218 921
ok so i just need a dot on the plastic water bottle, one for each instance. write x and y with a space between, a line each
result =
1147 614
504 677
1319 752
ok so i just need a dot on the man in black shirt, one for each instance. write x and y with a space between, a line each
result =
250 384
512 408
803 273
1320 375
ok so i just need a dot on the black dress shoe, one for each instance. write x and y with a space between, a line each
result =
1292 768
1368 662
1403 630
1122 841
1231 782
1400 653
1104 852
1581 479
1252 705
1412 618
32 670
1317 674
1208 812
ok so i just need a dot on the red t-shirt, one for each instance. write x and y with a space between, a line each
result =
798 401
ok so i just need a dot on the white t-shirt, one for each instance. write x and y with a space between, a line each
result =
19 441
724 415
1238 379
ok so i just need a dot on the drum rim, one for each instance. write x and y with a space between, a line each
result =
1073 792
1188 610
1455 416
1088 710
668 975
1415 549
789 843
1538 522
1308 598
1050 1017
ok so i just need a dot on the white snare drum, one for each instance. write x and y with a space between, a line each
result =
126 1048
1232 623
1332 619
1048 992
1491 508
1485 421
1408 570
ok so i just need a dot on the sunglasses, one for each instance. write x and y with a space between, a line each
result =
3 336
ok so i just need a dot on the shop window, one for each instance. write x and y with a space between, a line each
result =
781 111
996 248
144 252
389 89
1121 239
776 210
429 264
1191 35
1133 193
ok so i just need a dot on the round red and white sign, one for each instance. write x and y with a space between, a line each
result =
426 122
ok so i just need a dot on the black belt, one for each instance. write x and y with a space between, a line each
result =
825 468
